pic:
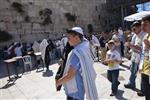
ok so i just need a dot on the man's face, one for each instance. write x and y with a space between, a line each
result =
72 39
111 46
136 29
115 32
146 26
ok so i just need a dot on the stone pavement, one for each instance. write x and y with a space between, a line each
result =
41 85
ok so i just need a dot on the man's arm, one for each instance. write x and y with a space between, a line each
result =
135 48
141 59
147 44
71 73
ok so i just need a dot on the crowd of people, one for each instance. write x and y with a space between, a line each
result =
75 78
78 51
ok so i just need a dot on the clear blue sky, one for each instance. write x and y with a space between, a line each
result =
144 7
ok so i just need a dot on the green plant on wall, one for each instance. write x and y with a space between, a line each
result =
47 21
46 15
90 28
27 18
18 7
47 11
70 17
8 0
5 36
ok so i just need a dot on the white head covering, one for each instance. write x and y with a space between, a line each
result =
77 29
36 46
43 46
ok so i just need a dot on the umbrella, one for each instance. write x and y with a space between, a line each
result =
137 16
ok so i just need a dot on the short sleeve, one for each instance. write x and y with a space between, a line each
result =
118 57
75 62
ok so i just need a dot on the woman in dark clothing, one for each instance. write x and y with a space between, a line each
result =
49 48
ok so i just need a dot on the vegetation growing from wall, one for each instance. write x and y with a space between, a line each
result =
90 28
7 0
27 18
70 17
46 15
5 36
18 7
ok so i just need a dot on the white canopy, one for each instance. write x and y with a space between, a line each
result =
137 16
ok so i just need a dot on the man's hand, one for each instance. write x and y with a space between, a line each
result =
57 83
140 71
109 61
128 44
60 62
68 76
147 44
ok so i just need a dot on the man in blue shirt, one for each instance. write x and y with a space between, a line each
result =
78 77
76 66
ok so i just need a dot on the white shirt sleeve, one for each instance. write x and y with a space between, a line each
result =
95 40
142 57
117 56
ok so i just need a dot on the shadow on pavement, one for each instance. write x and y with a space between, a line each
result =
38 71
136 89
119 96
122 69
125 66
121 78
48 73
9 84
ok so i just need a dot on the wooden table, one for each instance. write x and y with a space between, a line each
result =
9 61
30 52
38 53
17 59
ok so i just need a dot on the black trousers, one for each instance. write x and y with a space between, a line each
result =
146 86
122 49
71 98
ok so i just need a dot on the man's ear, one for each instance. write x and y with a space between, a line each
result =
76 36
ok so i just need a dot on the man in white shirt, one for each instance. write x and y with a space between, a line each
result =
63 43
95 45
135 45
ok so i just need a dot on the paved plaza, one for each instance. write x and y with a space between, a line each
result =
40 85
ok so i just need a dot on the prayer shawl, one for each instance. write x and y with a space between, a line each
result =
43 46
82 51
95 41
36 46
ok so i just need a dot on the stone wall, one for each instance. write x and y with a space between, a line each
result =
13 22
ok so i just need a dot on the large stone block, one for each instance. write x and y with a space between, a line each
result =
83 9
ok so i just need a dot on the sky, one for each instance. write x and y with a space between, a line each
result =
144 7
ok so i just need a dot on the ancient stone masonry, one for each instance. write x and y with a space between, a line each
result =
26 17
33 18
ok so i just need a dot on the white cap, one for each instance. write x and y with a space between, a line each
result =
78 30
64 34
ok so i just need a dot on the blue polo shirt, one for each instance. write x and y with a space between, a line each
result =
80 93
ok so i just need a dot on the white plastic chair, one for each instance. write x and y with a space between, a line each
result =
27 61
39 61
